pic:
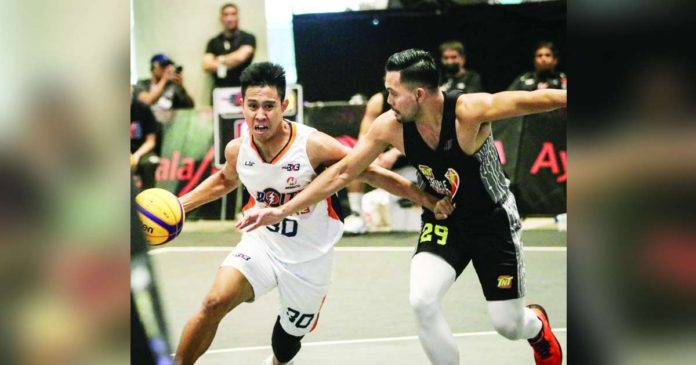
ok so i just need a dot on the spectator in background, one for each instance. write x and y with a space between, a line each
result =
454 75
376 105
354 223
165 91
231 51
143 129
545 75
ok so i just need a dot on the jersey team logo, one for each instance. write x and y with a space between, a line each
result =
272 198
449 186
427 171
453 177
505 281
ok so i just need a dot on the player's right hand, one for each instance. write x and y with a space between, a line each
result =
443 208
257 218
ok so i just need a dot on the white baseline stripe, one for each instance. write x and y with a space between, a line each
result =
350 342
162 250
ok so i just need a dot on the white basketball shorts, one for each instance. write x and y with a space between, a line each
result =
302 286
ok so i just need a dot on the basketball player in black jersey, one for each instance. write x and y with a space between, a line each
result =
448 138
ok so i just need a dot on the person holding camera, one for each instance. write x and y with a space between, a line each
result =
165 91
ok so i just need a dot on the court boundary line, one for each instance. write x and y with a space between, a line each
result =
357 341
162 250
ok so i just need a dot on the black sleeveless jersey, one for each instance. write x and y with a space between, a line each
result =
476 182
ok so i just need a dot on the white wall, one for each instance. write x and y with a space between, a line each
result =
182 28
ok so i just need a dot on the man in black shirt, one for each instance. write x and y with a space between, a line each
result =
448 138
454 75
545 75
231 51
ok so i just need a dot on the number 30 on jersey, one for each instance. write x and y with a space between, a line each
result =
440 232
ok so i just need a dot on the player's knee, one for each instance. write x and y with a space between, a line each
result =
285 346
215 306
423 305
509 327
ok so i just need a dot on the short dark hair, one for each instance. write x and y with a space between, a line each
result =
228 5
549 45
453 45
416 66
264 74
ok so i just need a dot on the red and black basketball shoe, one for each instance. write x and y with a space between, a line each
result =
547 349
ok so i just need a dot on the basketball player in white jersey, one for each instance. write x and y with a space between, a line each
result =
274 162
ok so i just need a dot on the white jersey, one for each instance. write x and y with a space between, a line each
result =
307 234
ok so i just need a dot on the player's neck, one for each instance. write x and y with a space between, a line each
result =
431 110
270 147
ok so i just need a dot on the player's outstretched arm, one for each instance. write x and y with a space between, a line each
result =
330 151
334 178
217 184
482 107
396 184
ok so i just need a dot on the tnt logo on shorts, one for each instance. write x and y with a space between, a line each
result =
505 281
242 256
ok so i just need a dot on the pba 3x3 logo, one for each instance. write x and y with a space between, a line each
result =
291 167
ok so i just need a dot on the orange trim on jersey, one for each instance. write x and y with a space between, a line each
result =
249 204
318 313
331 210
293 134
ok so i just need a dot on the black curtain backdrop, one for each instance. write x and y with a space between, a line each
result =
340 54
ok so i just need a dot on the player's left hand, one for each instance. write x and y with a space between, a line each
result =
443 208
257 218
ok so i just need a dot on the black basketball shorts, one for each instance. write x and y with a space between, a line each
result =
492 241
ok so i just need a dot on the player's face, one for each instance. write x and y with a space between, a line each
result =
229 18
401 98
544 59
263 111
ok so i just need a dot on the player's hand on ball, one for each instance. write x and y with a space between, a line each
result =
258 218
443 208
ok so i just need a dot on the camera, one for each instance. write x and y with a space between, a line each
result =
178 68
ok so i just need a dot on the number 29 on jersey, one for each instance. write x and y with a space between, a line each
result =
430 230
